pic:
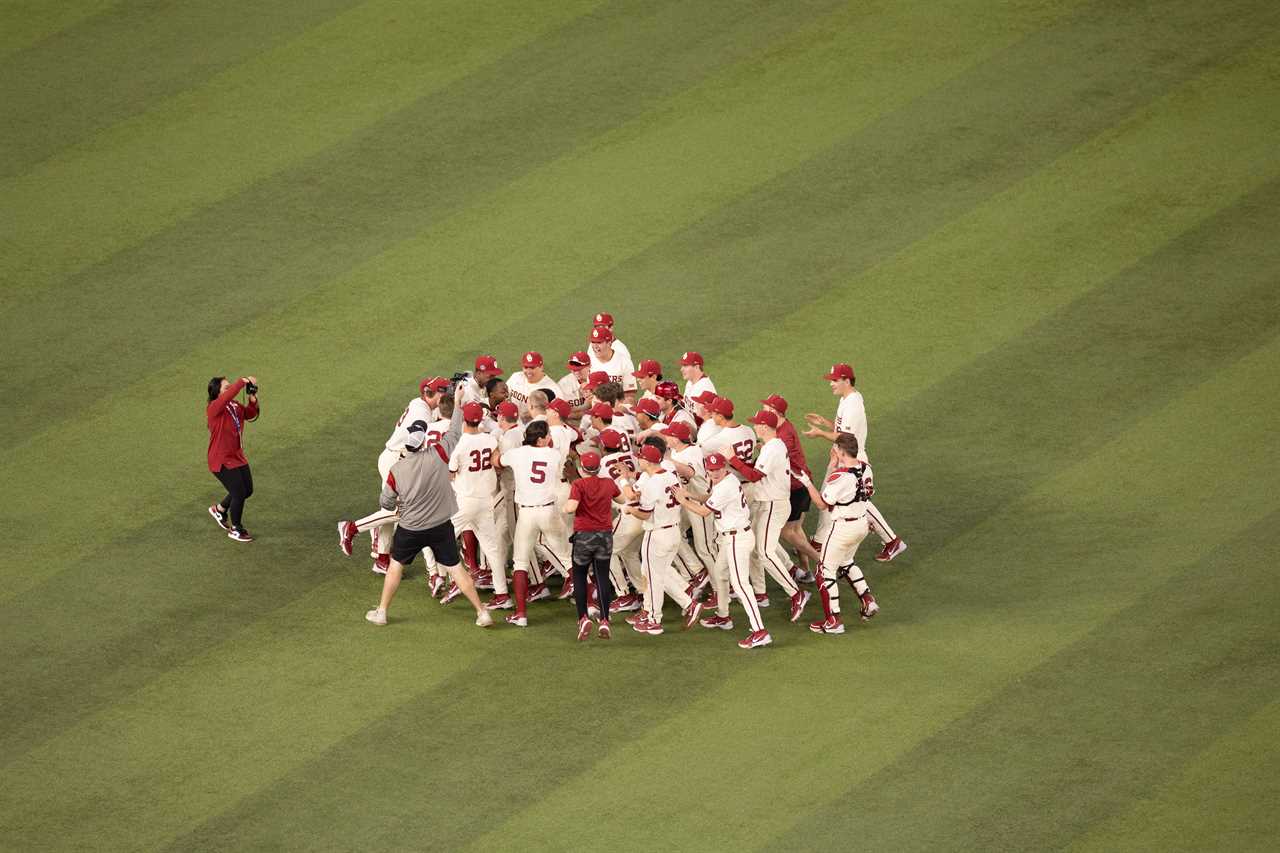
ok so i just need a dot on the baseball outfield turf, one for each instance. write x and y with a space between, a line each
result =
1045 232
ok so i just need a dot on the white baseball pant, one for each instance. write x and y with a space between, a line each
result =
767 521
839 547
627 530
539 525
477 514
657 551
734 561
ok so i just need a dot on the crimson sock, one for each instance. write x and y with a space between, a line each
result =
470 550
825 595
520 579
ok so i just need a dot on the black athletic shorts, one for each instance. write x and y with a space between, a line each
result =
441 539
591 545
800 503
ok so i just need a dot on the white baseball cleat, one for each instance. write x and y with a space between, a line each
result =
518 621
376 616
346 536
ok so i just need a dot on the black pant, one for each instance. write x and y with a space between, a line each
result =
239 485
592 549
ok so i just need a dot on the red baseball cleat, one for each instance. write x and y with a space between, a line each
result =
798 601
691 614
346 535
584 628
436 585
500 602
640 616
710 603
381 564
891 549
869 606
538 592
830 625
603 632
762 599
566 591
648 626
630 601
722 622
755 639
484 580
454 592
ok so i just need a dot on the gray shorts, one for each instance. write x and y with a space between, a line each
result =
591 545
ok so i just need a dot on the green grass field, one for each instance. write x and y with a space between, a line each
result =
1045 232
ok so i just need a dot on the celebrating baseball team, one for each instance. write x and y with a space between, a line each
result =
627 488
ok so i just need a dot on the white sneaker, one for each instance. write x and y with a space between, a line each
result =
376 616
484 620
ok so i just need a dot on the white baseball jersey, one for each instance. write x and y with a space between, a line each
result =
692 456
436 431
571 391
728 504
619 368
619 466
508 441
472 392
739 440
534 470
851 416
417 410
619 348
706 432
679 414
472 463
695 388
844 488
519 388
655 497
776 465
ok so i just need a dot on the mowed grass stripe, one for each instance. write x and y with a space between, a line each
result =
23 25
139 177
124 60
845 708
514 230
895 182
994 272
1221 798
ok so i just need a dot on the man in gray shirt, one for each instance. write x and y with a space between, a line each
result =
419 487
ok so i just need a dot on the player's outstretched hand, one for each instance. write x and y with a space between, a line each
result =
813 432
816 419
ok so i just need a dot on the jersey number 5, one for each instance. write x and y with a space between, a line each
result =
538 471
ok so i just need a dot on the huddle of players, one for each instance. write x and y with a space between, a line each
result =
701 500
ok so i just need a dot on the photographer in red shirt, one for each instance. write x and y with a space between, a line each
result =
227 417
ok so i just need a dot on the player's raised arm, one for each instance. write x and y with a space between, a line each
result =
450 439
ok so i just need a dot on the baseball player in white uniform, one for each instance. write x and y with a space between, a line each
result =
475 483
509 436
851 418
671 407
619 465
572 384
728 505
687 459
730 438
606 359
473 387
532 377
421 411
845 495
605 321
696 382
659 512
707 426
534 466
769 494
648 375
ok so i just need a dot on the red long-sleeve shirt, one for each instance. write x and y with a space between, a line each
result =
795 453
226 422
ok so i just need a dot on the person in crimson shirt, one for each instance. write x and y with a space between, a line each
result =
793 531
226 417
591 502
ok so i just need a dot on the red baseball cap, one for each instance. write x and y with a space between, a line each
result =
559 406
650 454
648 367
603 320
679 430
509 410
601 335
840 371
433 383
650 407
776 402
714 462
691 358
610 439
602 410
590 460
667 391
706 398
722 406
473 413
487 363
531 359
579 359
596 379
764 418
